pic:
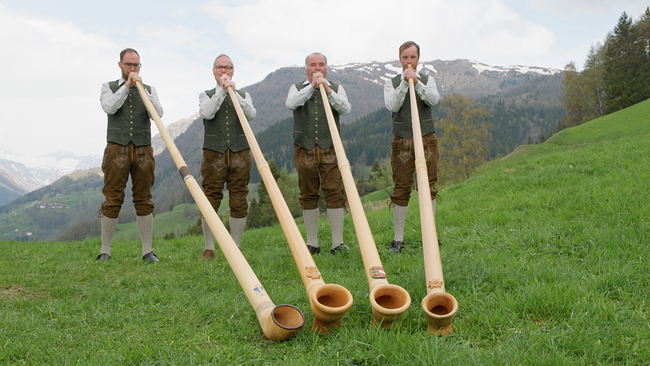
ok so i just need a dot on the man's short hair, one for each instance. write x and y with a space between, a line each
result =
408 44
124 51
314 53
223 55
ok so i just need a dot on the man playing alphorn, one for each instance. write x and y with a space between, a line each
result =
396 96
226 154
314 154
128 151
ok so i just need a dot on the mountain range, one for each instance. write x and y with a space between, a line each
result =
524 103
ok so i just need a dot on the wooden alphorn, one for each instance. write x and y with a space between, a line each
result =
329 302
278 322
439 306
388 301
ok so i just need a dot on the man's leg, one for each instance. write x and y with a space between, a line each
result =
402 162
115 167
214 172
142 176
311 227
308 181
332 183
145 225
239 174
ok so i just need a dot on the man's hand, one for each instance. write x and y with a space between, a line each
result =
133 77
224 81
409 73
318 79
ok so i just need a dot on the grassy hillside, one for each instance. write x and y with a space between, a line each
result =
545 250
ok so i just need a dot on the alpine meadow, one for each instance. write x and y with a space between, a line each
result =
545 249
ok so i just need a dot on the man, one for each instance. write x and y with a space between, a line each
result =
396 96
128 151
226 154
314 154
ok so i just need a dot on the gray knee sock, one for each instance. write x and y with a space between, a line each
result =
311 226
335 216
399 221
208 238
108 228
237 228
145 224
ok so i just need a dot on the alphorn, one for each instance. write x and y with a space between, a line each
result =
439 306
388 301
329 302
278 322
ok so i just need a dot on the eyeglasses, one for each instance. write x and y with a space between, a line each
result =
221 67
130 65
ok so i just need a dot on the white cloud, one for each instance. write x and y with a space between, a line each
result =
573 8
57 54
284 31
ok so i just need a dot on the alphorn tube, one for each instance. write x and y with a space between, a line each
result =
439 306
388 301
329 302
278 323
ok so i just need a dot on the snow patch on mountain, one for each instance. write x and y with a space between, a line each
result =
33 172
175 129
481 67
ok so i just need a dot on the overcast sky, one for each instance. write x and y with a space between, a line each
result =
56 54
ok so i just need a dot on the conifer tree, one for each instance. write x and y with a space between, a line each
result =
626 71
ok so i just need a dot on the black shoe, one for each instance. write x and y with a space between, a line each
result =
396 246
103 257
150 257
313 250
339 248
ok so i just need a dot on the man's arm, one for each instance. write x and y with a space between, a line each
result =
110 101
429 92
246 104
153 97
394 97
208 107
297 98
339 101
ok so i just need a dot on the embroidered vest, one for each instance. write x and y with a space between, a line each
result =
402 123
224 131
310 127
131 122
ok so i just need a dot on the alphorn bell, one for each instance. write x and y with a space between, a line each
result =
329 302
278 322
388 301
439 306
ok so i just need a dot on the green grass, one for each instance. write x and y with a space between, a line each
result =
545 250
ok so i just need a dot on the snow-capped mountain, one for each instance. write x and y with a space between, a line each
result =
364 82
174 129
33 172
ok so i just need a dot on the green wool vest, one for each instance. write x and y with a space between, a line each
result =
402 122
131 122
224 131
310 127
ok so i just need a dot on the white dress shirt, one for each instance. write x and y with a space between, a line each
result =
208 107
112 102
394 97
338 100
